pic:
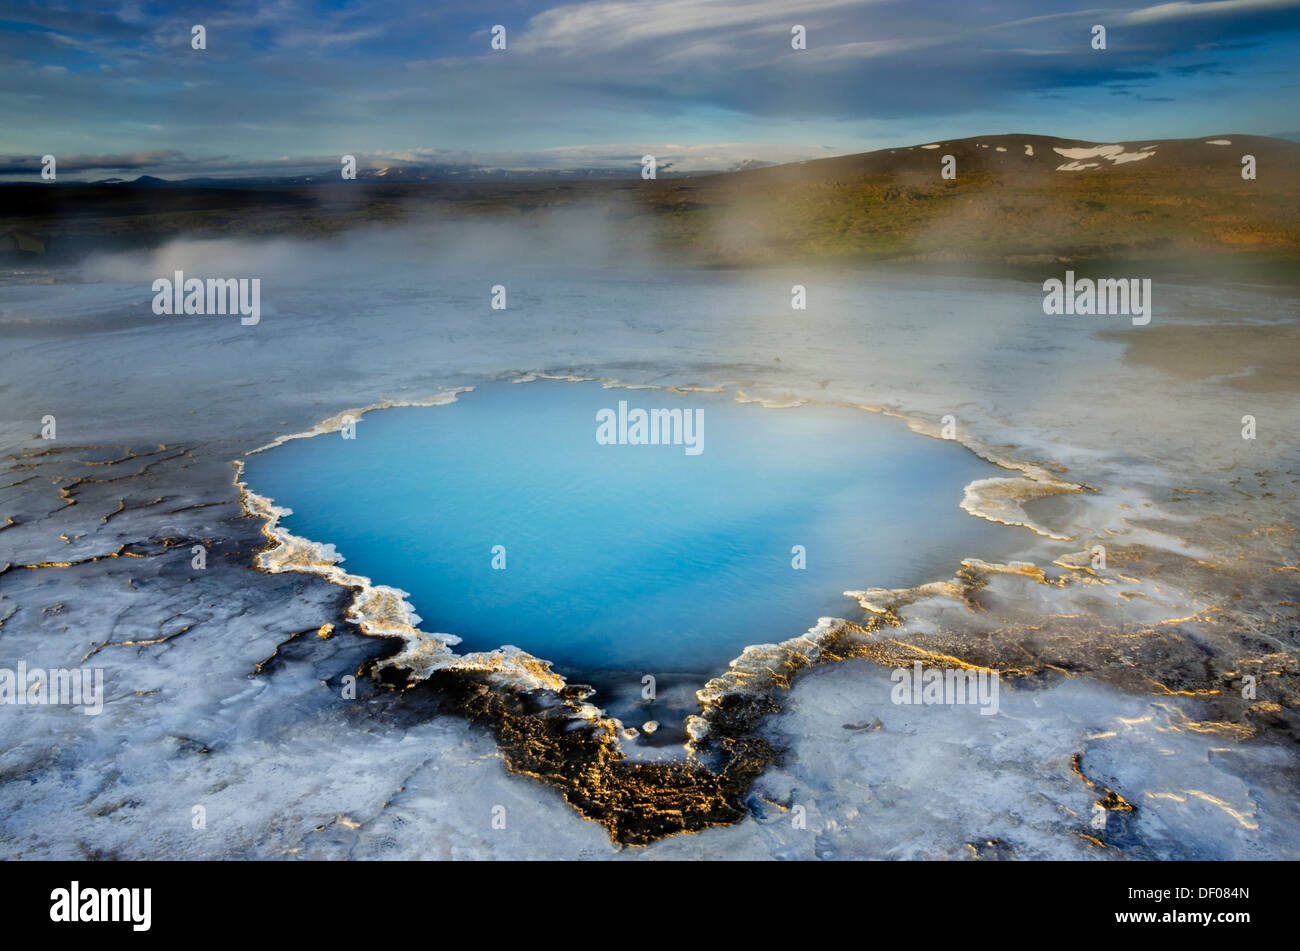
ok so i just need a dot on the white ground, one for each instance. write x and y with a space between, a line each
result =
285 767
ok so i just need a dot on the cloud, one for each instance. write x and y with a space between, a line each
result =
1183 10
625 156
617 25
1204 69
162 158
298 77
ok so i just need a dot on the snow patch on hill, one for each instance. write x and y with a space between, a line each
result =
1115 154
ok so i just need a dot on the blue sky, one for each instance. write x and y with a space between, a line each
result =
288 86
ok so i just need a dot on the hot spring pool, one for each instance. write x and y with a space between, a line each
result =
629 557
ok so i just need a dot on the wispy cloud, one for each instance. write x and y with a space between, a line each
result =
296 77
625 156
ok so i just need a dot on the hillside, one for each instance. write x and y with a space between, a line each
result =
1018 201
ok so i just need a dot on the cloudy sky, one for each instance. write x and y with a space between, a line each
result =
288 85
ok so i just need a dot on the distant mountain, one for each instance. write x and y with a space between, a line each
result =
1018 153
1016 201
1000 154
144 181
1016 204
422 174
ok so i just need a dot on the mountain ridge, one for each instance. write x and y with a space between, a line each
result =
1018 202
1002 150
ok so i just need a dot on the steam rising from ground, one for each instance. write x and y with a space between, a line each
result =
1197 523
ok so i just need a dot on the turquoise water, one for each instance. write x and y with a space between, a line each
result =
629 557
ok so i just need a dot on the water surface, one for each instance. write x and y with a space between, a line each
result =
629 557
